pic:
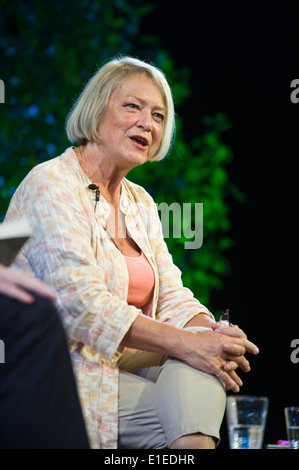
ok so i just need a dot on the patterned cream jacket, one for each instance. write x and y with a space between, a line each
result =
71 252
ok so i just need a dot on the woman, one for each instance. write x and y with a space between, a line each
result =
98 242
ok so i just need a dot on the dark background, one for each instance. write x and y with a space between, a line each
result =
243 58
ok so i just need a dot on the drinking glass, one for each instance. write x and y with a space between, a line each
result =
246 420
292 423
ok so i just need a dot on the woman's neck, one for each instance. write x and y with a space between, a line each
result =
101 171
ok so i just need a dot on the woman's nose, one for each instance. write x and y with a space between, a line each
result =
145 120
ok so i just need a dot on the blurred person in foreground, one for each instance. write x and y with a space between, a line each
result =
152 365
39 402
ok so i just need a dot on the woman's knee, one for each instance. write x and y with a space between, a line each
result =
189 401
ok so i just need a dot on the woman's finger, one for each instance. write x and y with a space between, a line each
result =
236 332
228 381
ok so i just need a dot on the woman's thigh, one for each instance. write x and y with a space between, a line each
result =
139 425
163 403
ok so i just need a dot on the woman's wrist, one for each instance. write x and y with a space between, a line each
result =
201 319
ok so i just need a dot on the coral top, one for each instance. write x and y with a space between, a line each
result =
141 282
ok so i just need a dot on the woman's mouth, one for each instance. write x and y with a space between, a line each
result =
142 142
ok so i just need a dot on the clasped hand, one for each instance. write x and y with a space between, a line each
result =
234 344
220 351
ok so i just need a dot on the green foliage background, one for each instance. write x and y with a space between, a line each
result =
48 51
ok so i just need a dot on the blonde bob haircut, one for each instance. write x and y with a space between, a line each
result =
83 120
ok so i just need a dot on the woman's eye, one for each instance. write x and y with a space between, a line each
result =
132 106
159 116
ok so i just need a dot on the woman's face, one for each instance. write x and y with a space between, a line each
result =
131 130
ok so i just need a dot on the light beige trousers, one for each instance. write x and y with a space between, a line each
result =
162 399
